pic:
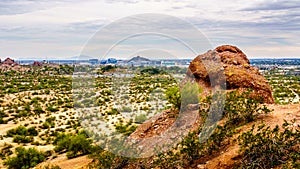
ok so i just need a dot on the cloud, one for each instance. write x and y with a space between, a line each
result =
274 5
52 26
13 7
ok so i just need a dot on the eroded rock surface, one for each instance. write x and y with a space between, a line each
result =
239 74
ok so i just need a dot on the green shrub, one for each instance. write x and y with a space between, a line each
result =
112 112
268 148
242 108
105 159
25 158
32 131
52 109
47 91
151 71
49 122
23 131
6 151
38 110
173 96
22 139
49 166
126 109
2 115
140 118
2 121
125 129
73 145
189 94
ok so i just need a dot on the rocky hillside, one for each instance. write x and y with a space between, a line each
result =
229 146
239 74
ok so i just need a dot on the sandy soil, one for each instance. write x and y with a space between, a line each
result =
64 163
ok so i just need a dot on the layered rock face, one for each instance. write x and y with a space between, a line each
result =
239 74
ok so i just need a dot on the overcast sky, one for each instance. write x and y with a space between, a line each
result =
61 28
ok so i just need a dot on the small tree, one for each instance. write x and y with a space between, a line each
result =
73 145
26 158
173 97
190 94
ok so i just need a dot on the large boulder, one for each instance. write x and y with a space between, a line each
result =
239 74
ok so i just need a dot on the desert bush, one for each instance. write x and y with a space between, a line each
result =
22 139
265 147
25 158
151 71
38 110
22 135
2 115
140 118
173 96
5 151
242 108
189 94
49 166
2 121
32 131
125 129
49 123
105 159
52 109
23 131
126 109
112 112
74 145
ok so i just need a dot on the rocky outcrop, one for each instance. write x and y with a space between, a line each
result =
9 61
239 74
36 63
10 64
226 60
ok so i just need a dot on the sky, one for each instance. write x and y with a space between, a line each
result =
62 29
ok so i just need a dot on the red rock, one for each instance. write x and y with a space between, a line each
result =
239 74
9 61
36 63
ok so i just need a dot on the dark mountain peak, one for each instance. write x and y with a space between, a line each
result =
138 59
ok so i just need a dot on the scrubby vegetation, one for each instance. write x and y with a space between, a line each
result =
73 145
286 87
191 149
25 158
38 109
265 147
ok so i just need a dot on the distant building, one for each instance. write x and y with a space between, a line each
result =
109 61
168 63
112 61
93 61
103 62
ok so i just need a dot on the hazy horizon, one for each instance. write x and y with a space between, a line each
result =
72 58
